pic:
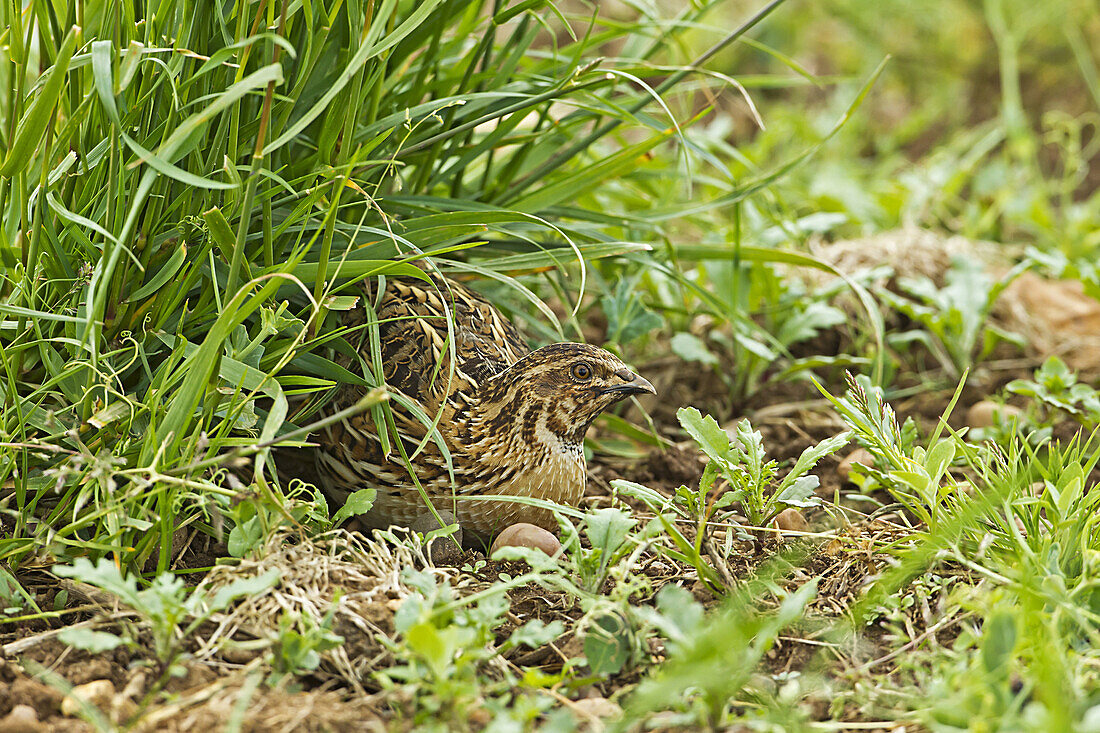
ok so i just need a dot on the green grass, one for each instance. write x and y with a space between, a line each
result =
188 198
184 198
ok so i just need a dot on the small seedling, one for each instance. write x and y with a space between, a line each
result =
300 642
741 461
954 316
914 475
1055 386
608 531
171 610
737 473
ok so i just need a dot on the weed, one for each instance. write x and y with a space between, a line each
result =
1055 387
297 648
444 643
747 479
170 609
954 316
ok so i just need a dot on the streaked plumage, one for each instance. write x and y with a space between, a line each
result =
513 420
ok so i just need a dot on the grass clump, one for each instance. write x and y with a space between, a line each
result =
184 195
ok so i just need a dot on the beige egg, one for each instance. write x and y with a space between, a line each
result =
527 535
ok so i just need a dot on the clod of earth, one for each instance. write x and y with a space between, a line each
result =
21 719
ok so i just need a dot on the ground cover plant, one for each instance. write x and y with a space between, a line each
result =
853 247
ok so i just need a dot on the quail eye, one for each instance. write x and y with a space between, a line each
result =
581 371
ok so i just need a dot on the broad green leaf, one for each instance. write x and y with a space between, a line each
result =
252 586
690 347
939 459
998 643
95 642
799 492
606 645
244 537
104 575
607 529
682 615
712 439
358 503
536 633
425 639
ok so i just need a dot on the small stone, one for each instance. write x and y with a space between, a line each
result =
122 710
21 719
987 413
791 520
764 683
597 707
527 535
861 456
98 693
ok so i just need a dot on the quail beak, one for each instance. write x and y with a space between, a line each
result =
632 384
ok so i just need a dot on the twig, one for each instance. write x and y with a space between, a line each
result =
21 645
911 644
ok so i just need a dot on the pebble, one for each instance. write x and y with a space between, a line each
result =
597 707
861 456
21 719
523 534
98 693
791 520
987 413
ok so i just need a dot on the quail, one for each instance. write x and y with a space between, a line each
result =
510 420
